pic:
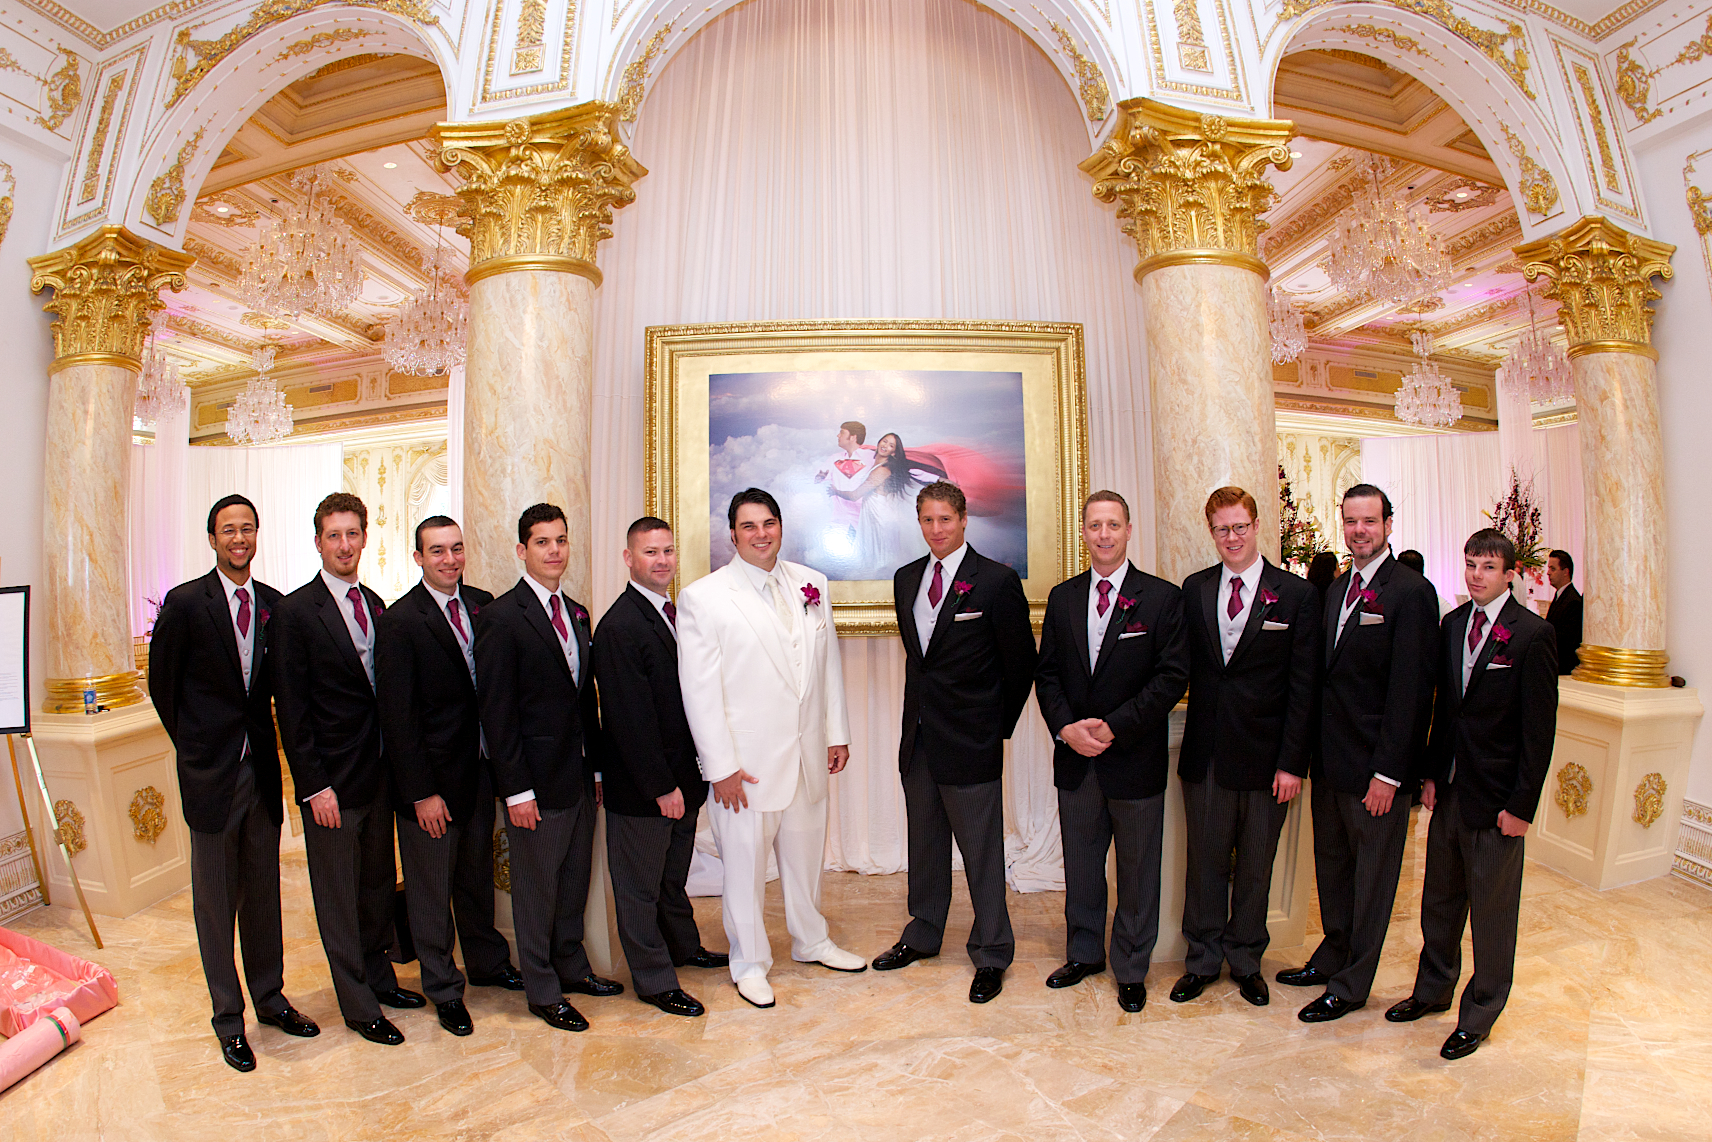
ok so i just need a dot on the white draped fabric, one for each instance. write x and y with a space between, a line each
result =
455 444
158 473
871 159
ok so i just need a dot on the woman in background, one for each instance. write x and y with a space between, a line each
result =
887 534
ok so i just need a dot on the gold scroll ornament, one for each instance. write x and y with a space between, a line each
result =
70 827
148 820
1649 799
1573 788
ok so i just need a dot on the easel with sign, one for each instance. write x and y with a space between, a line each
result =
15 719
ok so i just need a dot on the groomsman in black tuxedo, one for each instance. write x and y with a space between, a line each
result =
425 677
329 722
651 784
1114 660
212 685
538 709
1254 638
969 660
1564 614
1381 648
1491 745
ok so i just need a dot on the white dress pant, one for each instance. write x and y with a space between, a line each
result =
798 837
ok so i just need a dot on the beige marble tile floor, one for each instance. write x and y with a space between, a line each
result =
1608 1036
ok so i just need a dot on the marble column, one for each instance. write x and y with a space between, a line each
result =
538 195
1601 276
1189 188
104 290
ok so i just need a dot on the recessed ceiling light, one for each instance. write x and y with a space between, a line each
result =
221 209
1462 194
390 166
1295 154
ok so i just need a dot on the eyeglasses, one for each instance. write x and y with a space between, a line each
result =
1237 529
229 532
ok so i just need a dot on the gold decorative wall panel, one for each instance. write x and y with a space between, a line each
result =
106 288
1601 276
525 44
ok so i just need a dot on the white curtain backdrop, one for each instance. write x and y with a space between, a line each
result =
1441 486
455 443
871 159
158 473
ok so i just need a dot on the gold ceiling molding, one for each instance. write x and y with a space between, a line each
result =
166 192
95 37
1479 315
263 321
1479 195
1189 187
1090 80
636 76
322 40
237 214
1476 240
1491 44
1432 303
195 327
211 258
196 58
432 209
105 289
1390 36
539 192
1599 29
1601 276
1539 188
63 88
1634 82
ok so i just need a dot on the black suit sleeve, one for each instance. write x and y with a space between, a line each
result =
167 651
1414 665
1294 747
1169 682
1017 653
496 697
290 657
632 729
1441 741
1539 722
1049 673
400 722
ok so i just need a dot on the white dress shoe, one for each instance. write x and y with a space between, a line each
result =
838 959
756 990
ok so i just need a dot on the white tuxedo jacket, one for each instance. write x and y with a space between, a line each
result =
748 707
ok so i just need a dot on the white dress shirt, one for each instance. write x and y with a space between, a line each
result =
1097 623
760 580
1492 610
1230 629
1362 578
361 639
465 640
659 601
567 641
246 641
926 614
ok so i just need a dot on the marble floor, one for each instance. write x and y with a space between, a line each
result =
1608 1036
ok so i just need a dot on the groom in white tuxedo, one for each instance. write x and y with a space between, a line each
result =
764 695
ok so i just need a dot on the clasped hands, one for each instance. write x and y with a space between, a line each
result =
728 791
1089 737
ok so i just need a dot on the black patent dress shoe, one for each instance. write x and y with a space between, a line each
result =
1461 1044
235 1049
1412 1009
292 1022
675 1002
1253 988
454 1017
1132 996
986 985
506 977
1191 986
561 1015
899 955
1326 1008
1073 973
1305 976
594 985
401 997
380 1031
706 959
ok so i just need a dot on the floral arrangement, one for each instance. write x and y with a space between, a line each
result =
1299 538
1517 515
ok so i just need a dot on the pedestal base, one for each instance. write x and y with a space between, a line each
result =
1613 799
119 771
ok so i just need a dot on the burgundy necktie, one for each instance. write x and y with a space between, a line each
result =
1354 590
1234 607
559 619
936 589
358 609
671 612
1105 602
452 609
1475 628
243 612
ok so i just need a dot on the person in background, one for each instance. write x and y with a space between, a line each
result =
1564 614
1418 563
1321 572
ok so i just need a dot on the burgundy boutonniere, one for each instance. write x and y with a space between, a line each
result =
1137 627
962 586
582 615
1125 604
1501 634
1369 601
1267 598
262 615
1501 645
473 609
811 596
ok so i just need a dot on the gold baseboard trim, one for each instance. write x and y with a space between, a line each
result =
1617 666
1612 345
1692 870
557 263
1235 258
65 695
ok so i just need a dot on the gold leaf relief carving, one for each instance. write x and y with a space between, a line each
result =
636 76
1492 45
322 40
1390 36
148 820
166 192
1601 277
1573 788
1538 187
1607 157
11 182
530 52
71 825
98 142
1090 80
1191 39
1649 799
105 290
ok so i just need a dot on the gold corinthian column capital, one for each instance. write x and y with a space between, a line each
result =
1601 276
539 191
105 290
1189 186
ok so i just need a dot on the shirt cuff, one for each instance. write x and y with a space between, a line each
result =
312 796
597 777
1393 784
520 798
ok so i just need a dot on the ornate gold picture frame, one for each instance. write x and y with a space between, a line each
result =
1005 402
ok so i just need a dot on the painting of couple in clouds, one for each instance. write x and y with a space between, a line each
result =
846 451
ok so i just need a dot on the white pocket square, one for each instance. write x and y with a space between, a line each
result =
1131 634
1268 624
1498 665
966 616
1368 620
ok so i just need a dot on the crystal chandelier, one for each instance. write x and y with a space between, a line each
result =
260 414
430 333
160 390
309 260
1385 249
1427 397
1539 366
1289 335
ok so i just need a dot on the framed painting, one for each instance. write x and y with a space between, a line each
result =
845 421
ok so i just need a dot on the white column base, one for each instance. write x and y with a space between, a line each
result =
100 763
1617 736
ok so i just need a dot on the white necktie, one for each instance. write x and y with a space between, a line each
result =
783 608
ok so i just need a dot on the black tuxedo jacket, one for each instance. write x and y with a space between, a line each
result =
647 748
1252 716
197 683
329 720
1564 615
1142 672
1499 732
428 715
1377 695
540 722
964 690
